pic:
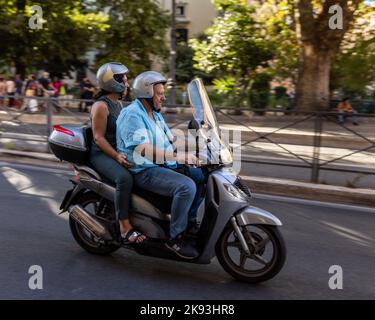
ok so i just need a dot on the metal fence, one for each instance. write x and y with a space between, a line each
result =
31 124
315 162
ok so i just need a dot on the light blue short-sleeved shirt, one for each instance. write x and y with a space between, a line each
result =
134 127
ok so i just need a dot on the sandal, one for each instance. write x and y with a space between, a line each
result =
132 237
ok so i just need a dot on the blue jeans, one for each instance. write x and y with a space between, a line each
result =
200 179
343 115
169 183
117 174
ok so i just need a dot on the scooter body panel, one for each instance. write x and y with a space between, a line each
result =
223 205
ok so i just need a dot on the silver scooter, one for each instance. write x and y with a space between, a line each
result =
246 240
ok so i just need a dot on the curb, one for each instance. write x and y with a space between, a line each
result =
310 191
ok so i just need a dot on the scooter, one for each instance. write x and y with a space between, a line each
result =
245 239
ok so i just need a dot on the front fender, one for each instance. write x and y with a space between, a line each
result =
254 215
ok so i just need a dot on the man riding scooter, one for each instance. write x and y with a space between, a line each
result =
246 240
144 137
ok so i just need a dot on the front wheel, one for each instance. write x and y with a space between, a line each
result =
267 252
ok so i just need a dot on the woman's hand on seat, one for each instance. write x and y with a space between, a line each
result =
121 159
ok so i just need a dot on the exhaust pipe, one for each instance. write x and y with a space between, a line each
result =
89 222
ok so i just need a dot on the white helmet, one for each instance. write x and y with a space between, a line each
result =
143 86
106 77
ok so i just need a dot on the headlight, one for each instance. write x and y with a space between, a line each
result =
235 192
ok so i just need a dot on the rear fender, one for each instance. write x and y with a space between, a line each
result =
71 196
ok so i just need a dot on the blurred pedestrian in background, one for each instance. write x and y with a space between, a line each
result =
19 87
31 87
88 90
44 81
346 110
57 86
10 90
2 91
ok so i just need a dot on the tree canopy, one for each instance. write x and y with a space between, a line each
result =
117 30
137 34
354 69
290 39
235 47
68 30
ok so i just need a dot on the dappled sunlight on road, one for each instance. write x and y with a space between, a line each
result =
24 184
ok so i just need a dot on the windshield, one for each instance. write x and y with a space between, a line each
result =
207 125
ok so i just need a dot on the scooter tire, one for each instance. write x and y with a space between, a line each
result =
77 230
277 262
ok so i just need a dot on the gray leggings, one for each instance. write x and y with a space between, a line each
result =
120 176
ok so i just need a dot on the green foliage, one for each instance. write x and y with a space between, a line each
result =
354 65
260 91
185 70
137 34
354 68
120 30
69 30
231 95
280 92
225 85
184 63
280 99
279 25
234 48
217 99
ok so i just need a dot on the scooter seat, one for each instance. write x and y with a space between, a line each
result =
163 203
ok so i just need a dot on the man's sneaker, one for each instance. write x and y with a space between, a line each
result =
181 248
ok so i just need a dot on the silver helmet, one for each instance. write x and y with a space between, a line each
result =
143 85
106 77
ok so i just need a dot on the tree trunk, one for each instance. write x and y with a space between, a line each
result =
319 45
20 69
313 79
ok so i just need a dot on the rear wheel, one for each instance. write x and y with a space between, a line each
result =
267 252
90 202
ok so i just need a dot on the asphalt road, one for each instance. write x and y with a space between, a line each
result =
317 235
